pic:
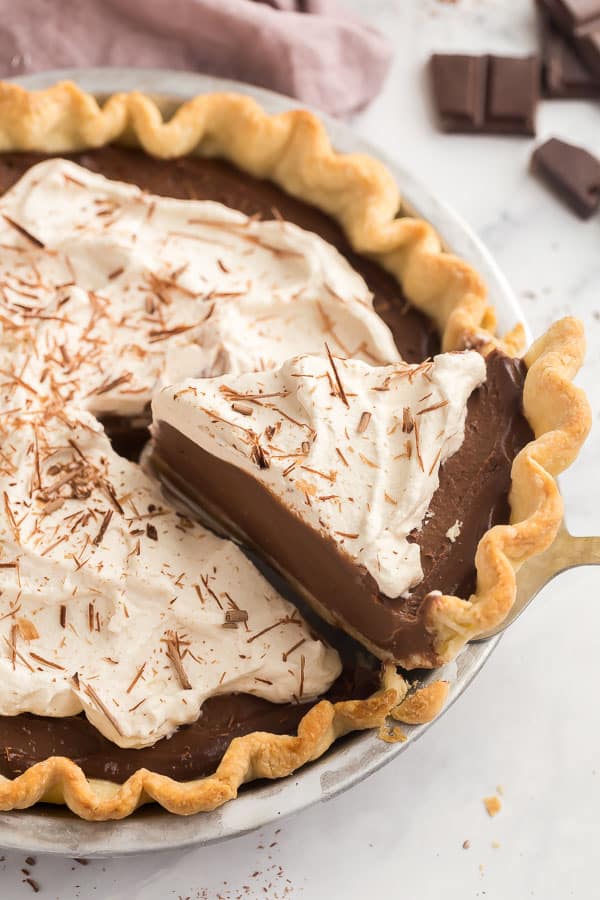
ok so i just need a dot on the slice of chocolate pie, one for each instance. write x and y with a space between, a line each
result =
331 469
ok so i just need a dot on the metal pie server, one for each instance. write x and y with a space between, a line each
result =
567 552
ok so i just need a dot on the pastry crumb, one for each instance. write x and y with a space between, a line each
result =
466 845
492 805
499 789
423 705
495 845
391 734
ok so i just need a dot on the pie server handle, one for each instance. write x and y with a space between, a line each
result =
567 552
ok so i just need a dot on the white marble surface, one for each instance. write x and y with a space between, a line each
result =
531 721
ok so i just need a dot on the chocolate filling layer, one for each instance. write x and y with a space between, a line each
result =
474 485
193 751
196 749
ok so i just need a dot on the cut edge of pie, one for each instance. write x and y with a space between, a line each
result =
293 150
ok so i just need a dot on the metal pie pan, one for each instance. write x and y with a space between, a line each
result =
50 829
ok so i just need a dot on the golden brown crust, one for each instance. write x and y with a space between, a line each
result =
256 755
293 150
422 705
560 417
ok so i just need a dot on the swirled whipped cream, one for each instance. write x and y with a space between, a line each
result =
114 290
354 450
113 603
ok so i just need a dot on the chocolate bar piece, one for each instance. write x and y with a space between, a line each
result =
572 172
486 94
588 48
563 73
581 27
577 17
458 87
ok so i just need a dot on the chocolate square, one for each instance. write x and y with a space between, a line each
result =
512 95
588 48
563 73
577 16
584 38
486 94
572 172
459 88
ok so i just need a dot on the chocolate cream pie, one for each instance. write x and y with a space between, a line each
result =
328 390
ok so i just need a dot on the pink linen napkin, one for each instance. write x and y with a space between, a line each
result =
310 49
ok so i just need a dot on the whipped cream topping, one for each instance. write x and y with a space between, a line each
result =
354 449
454 531
113 603
114 290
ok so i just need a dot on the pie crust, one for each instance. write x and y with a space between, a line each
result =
293 150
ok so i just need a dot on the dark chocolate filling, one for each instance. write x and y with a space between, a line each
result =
195 750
